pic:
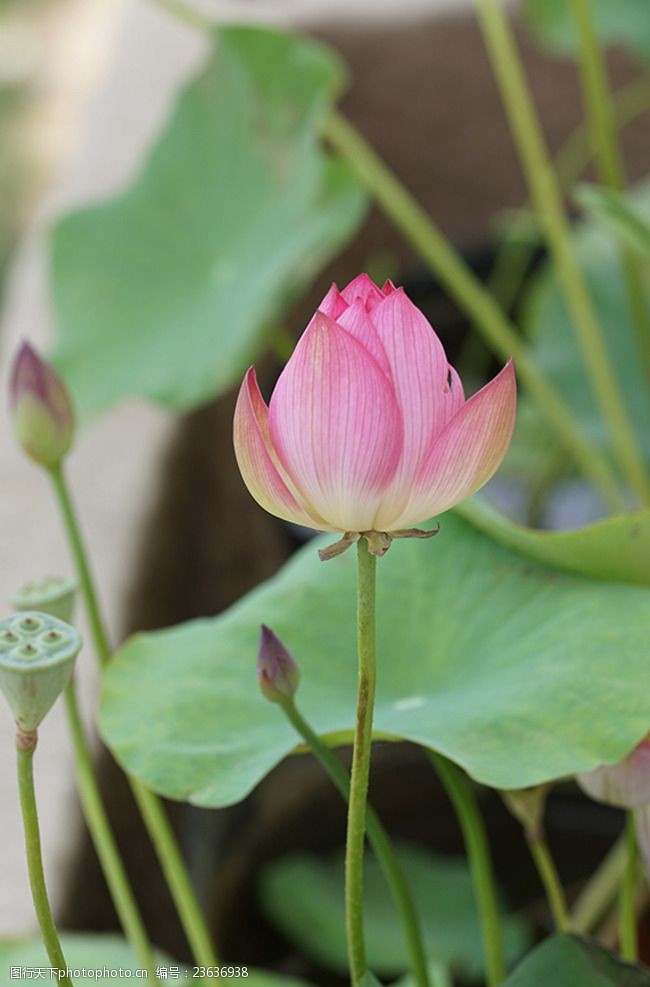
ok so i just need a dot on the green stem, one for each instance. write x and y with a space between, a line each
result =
104 841
356 831
379 840
153 813
603 135
166 846
628 924
514 254
551 883
547 199
425 237
100 640
599 892
25 766
478 852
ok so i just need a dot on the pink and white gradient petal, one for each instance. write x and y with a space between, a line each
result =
335 425
429 391
626 784
467 452
255 460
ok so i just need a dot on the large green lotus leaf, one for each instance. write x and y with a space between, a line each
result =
566 961
444 897
95 952
620 22
165 291
616 549
518 672
557 352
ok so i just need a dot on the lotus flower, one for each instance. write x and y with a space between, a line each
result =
625 784
368 429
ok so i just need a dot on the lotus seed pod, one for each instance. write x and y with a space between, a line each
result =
52 595
37 653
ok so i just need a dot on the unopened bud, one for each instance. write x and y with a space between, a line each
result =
277 672
37 654
52 595
42 409
626 784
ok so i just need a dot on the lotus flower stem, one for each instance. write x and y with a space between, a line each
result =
26 744
151 809
547 199
425 237
627 913
379 840
356 830
551 882
602 131
514 255
104 841
480 863
600 890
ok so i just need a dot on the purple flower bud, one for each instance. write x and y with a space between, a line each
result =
277 672
42 409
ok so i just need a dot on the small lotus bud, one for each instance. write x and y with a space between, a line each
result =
626 784
527 806
42 409
277 672
53 595
37 654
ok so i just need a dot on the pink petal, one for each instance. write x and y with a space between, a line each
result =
364 290
429 391
626 784
388 287
333 304
468 451
336 426
254 456
358 323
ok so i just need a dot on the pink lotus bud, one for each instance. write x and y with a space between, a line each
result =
626 784
277 672
368 428
41 407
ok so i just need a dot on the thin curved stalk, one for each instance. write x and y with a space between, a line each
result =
480 862
551 882
25 769
547 199
627 912
151 808
104 841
